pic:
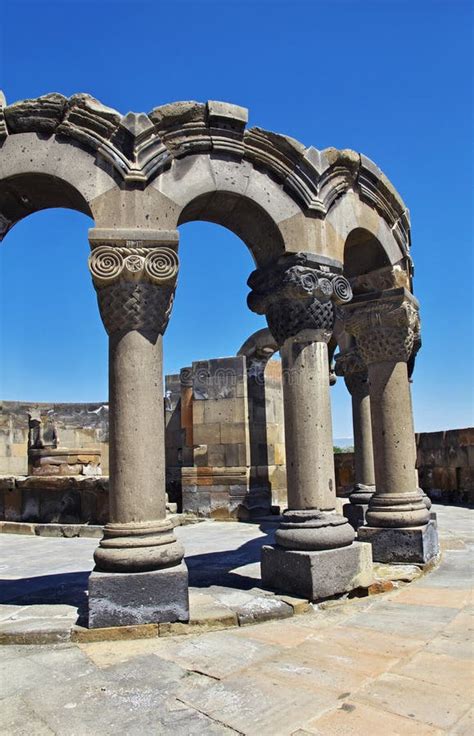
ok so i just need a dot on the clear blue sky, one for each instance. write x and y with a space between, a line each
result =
389 78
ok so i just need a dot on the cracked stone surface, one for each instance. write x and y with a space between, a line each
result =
398 663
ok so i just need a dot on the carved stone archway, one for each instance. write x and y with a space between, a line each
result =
139 176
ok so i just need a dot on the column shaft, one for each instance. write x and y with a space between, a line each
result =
363 447
393 431
386 327
349 364
139 575
137 450
313 555
298 295
308 426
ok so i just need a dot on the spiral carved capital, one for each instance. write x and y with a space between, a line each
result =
156 265
297 293
135 287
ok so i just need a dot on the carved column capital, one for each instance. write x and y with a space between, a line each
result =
386 325
298 293
134 274
351 366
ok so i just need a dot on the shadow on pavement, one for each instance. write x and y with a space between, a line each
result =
210 568
218 568
67 588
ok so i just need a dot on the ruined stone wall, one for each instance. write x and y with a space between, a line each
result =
215 480
224 450
344 471
175 438
78 426
267 432
445 462
76 499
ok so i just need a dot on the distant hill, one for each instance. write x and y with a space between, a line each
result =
343 441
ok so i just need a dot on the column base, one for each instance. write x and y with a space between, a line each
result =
317 575
125 599
355 514
361 494
406 544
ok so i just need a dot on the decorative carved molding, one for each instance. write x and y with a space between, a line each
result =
158 265
386 326
186 377
377 191
135 286
128 305
351 366
348 362
298 293
389 277
139 147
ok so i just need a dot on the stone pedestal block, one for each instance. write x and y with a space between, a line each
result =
411 544
125 599
355 514
317 575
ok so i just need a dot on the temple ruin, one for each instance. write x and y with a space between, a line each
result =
330 238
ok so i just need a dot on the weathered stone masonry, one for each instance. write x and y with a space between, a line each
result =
312 220
445 460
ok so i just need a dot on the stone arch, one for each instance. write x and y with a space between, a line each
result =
140 176
24 194
267 483
62 152
369 229
272 191
245 218
351 214
260 346
190 160
363 253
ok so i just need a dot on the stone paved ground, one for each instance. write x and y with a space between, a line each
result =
44 580
399 663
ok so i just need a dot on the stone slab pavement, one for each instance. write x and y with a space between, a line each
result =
44 581
397 663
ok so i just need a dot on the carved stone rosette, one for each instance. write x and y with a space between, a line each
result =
298 293
386 326
135 286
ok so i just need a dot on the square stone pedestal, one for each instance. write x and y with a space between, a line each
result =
125 599
355 514
317 575
418 544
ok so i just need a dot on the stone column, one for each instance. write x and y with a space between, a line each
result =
308 423
186 381
350 365
386 327
315 555
140 576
